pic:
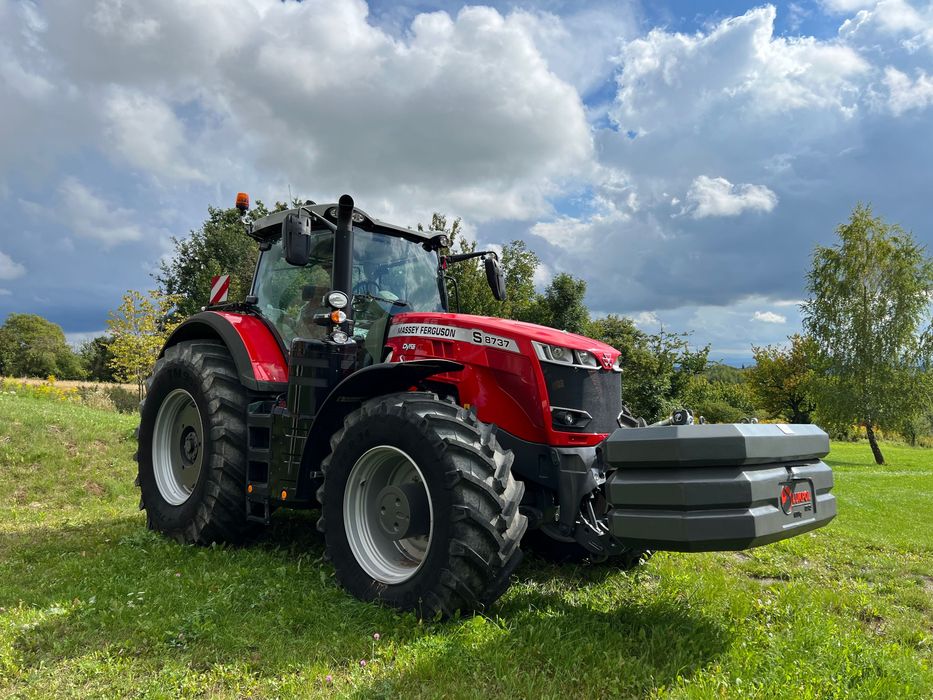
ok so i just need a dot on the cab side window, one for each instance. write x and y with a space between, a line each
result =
289 296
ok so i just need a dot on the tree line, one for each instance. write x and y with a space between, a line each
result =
862 362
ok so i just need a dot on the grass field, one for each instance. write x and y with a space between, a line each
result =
93 604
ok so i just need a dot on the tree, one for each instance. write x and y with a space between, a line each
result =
31 346
562 306
139 329
869 314
656 369
96 357
220 246
718 401
782 378
469 286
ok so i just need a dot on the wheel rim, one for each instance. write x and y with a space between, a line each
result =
177 447
375 480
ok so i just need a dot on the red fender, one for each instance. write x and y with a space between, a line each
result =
256 350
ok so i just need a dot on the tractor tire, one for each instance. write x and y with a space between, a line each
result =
192 445
561 552
420 508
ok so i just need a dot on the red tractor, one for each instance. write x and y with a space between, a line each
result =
434 443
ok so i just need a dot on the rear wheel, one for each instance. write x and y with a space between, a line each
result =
192 445
420 508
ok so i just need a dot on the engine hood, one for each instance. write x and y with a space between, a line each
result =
517 330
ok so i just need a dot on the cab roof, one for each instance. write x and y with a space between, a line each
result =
269 228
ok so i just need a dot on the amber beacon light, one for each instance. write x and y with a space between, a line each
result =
242 201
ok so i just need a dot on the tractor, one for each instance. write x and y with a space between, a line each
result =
437 444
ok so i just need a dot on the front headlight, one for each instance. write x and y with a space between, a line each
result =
587 359
560 354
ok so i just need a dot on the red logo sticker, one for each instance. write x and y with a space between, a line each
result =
790 498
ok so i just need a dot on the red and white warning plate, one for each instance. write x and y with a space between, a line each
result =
220 285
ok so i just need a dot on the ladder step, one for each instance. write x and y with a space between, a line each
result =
257 510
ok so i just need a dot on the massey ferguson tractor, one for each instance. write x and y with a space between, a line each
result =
437 444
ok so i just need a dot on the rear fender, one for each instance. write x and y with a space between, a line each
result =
257 353
367 383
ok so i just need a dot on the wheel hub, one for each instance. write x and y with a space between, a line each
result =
403 510
190 445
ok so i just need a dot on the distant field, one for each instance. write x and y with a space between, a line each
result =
93 604
69 383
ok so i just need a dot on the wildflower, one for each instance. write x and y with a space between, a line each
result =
328 679
362 663
376 636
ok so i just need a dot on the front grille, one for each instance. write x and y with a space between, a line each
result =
598 392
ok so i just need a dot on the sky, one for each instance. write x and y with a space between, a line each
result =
683 158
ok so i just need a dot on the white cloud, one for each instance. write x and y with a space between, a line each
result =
905 94
543 276
646 319
145 132
739 63
95 218
580 46
5 292
846 6
9 268
462 113
769 317
577 234
873 26
717 196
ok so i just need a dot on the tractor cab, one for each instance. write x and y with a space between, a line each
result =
335 274
390 275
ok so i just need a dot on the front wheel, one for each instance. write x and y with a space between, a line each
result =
420 508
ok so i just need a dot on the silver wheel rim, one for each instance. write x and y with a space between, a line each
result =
177 447
385 559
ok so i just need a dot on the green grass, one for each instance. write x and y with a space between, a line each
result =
93 604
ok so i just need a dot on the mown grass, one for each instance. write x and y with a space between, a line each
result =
93 604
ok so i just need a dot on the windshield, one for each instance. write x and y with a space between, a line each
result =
394 269
391 275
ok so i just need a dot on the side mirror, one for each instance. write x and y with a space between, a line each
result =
296 236
495 277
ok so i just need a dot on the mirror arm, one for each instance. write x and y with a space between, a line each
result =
459 257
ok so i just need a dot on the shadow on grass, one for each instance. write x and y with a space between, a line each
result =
272 608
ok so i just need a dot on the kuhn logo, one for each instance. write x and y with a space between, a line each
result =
790 498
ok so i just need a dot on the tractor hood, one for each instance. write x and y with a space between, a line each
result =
519 332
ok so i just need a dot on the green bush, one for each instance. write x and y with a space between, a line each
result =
124 400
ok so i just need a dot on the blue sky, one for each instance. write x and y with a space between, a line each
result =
682 157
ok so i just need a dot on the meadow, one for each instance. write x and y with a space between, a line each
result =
92 604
